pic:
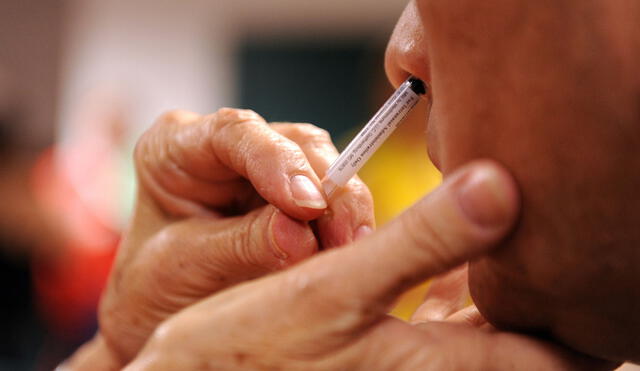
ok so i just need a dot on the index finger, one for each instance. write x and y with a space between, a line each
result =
350 214
202 159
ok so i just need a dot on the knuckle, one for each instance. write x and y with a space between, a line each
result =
166 332
360 192
357 200
109 319
225 111
153 142
177 116
247 242
315 135
167 117
313 131
141 151
306 133
162 343
321 134
301 286
160 271
225 117
230 126
120 325
279 149
316 289
433 245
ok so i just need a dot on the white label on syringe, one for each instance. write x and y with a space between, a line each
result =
373 135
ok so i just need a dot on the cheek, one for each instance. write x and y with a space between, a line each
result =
471 46
503 77
474 21
545 98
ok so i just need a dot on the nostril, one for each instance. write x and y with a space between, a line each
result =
407 53
393 62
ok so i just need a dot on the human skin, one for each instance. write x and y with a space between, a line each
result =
549 89
185 282
217 205
329 312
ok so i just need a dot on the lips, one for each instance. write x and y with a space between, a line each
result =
432 143
433 156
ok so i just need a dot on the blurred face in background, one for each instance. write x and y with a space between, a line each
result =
549 89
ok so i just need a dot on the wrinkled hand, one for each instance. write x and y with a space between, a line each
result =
222 198
330 311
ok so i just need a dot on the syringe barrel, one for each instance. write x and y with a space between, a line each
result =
373 135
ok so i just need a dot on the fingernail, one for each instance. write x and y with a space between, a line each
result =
361 232
291 239
306 194
487 197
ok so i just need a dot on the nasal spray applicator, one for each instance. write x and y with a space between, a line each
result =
371 137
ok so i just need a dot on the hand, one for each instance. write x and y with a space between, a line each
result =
222 198
330 312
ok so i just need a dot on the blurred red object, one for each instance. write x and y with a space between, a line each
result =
68 285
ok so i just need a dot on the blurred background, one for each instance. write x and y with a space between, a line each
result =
79 82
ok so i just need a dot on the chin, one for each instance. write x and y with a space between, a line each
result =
509 294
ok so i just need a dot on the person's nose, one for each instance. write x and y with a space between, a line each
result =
407 52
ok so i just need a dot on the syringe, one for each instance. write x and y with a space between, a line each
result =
371 137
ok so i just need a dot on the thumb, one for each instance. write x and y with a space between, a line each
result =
463 219
195 258
233 249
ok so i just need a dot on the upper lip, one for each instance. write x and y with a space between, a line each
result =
431 148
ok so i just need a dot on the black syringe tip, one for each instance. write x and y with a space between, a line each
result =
417 86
